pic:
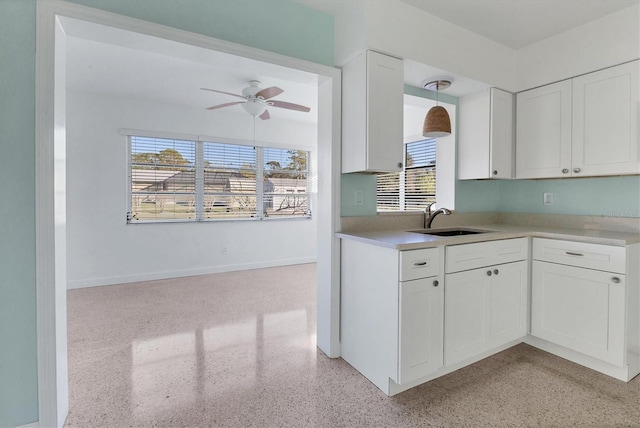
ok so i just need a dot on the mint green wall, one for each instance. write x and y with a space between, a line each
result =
280 26
349 183
18 370
603 196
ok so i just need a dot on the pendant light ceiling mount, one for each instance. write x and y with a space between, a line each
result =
437 122
436 85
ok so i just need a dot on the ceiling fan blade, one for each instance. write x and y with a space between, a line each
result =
271 92
224 105
265 115
290 106
222 92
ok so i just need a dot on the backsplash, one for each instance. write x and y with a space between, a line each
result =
407 221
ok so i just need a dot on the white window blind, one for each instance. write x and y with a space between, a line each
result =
162 179
229 181
413 188
180 180
285 183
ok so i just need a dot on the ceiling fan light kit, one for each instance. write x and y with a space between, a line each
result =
437 122
257 100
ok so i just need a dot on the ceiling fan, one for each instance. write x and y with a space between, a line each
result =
257 100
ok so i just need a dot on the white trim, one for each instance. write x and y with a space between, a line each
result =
127 132
125 279
50 401
31 425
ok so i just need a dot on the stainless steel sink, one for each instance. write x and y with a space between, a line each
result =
450 232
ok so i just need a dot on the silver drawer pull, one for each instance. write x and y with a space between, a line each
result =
574 254
420 263
615 280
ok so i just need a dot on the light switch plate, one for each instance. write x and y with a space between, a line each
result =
549 198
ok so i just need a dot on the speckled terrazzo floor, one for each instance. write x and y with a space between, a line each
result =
238 350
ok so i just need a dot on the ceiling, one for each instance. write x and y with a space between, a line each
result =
107 60
512 23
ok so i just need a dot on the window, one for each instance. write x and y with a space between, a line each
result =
415 186
285 182
182 180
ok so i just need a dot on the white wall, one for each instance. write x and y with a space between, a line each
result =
611 40
103 249
399 29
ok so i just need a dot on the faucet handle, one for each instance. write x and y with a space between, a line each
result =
428 208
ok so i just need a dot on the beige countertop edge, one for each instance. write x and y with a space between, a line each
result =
404 240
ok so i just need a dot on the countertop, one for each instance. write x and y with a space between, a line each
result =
406 240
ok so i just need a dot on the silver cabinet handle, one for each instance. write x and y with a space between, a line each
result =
495 172
436 283
496 271
565 171
574 254
488 273
420 263
615 280
399 164
576 170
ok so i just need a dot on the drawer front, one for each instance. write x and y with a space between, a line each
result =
415 264
591 256
481 254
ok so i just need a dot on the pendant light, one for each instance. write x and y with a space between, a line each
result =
436 122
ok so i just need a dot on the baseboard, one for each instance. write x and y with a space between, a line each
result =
31 425
125 279
621 373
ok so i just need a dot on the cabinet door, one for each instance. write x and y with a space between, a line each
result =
485 144
508 311
605 122
484 308
543 131
501 134
385 104
421 328
467 301
580 309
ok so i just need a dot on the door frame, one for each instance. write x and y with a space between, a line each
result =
50 189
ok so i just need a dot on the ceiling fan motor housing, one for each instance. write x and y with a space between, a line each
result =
251 90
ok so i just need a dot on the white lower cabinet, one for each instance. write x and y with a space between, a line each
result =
580 309
410 316
421 328
391 310
484 309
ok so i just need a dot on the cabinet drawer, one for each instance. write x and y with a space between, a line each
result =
416 264
592 256
472 256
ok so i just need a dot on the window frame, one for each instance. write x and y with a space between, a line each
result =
199 176
402 177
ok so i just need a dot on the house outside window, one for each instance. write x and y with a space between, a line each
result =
188 180
414 188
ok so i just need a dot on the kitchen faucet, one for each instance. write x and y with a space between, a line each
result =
431 215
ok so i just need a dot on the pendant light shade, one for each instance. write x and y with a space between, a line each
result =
436 122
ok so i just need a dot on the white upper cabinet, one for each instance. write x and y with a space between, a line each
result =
372 113
586 126
485 145
543 131
605 122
